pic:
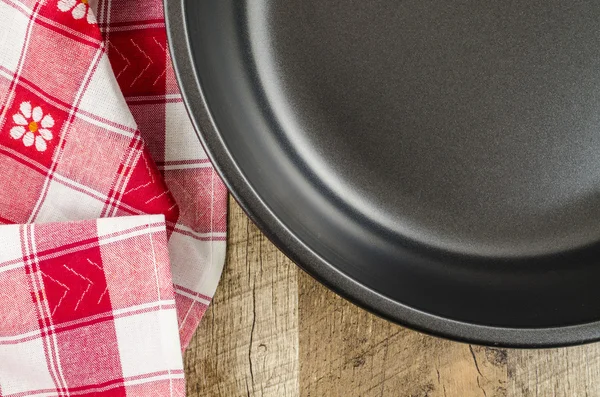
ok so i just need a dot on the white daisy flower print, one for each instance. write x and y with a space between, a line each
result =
78 8
32 126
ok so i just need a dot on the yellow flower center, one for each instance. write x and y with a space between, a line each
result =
33 127
84 1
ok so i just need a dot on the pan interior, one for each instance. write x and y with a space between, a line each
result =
445 154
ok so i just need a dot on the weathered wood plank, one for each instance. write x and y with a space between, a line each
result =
345 351
567 372
247 343
274 331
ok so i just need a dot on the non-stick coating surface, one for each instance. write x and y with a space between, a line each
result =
437 162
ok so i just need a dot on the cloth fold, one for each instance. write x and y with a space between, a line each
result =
138 52
92 126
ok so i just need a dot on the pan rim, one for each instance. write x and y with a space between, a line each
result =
308 260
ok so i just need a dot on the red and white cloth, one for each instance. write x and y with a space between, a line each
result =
88 309
138 51
92 125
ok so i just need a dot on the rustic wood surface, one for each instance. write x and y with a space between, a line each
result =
274 331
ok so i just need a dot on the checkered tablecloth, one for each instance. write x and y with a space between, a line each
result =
88 309
92 125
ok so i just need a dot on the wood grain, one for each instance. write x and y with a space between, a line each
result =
274 331
567 372
247 343
345 351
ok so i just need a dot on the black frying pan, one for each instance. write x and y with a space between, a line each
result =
436 162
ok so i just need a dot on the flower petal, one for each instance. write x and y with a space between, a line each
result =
66 5
25 108
17 131
40 144
46 134
47 121
91 18
37 114
79 11
19 119
28 139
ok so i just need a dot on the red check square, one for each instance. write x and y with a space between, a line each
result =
205 195
60 65
141 61
146 191
130 12
92 155
74 285
19 174
33 126
130 284
15 291
49 239
151 117
99 364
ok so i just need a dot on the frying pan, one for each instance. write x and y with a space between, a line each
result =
435 162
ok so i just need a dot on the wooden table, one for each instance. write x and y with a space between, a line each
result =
274 331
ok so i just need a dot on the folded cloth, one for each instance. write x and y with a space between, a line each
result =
70 149
138 51
88 309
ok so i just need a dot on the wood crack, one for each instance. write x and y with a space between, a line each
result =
252 332
475 361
